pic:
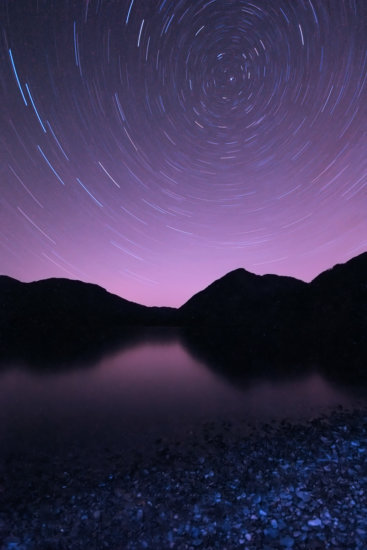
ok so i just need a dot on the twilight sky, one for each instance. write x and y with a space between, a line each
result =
151 146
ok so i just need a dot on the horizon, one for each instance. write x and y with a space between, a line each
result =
150 148
178 305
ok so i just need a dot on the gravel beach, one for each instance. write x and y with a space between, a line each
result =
301 486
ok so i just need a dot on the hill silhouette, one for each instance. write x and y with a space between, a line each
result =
64 316
244 323
268 315
243 298
339 309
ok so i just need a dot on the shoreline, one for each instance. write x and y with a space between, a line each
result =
287 486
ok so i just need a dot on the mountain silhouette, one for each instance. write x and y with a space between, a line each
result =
339 308
244 324
241 298
269 315
64 316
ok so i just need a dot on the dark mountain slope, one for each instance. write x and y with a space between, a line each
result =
65 315
243 298
339 305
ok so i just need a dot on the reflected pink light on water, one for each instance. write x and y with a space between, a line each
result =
148 389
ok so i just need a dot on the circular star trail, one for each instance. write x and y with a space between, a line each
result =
152 146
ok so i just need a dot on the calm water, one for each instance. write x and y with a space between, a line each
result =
146 391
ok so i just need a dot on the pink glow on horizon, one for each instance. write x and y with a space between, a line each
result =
176 286
157 164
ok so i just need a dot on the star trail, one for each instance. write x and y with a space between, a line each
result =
152 146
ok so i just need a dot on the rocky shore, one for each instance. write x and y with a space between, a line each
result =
285 486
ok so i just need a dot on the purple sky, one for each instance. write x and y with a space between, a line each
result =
152 146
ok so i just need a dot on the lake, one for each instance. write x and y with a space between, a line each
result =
150 389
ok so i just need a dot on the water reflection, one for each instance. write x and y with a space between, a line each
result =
150 388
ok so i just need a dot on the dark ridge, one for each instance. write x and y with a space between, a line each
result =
355 268
241 297
263 318
339 301
64 317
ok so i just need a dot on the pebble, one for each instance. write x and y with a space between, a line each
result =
316 522
287 541
203 495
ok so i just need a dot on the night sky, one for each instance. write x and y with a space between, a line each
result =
151 146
